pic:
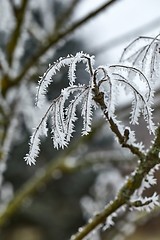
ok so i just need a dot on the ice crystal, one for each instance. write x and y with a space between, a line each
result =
147 203
63 116
106 80
148 181
143 53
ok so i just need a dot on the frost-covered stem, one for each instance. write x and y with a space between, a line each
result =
99 98
97 220
133 182
122 139
52 41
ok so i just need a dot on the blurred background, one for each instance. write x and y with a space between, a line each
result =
52 199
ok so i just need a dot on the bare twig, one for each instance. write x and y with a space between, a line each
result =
52 41
66 15
12 44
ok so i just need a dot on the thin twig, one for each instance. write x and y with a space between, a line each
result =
52 41
12 44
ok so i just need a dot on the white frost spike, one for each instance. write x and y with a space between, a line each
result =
142 100
58 134
46 80
71 113
112 99
143 53
79 57
47 77
148 181
72 68
134 48
34 148
40 130
129 78
87 112
148 203
110 220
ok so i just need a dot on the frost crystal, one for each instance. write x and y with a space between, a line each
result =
147 203
63 115
143 53
106 80
47 77
148 181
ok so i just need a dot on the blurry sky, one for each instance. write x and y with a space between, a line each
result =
124 16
